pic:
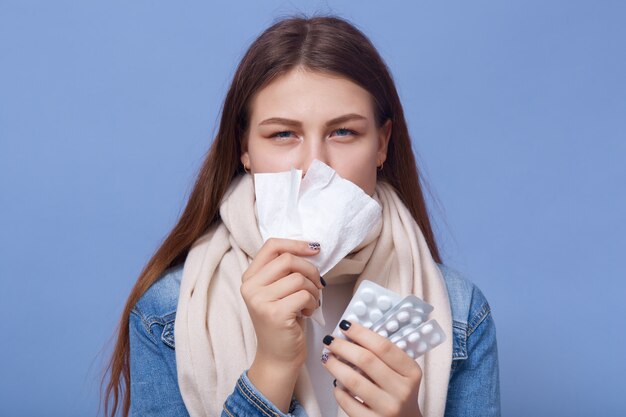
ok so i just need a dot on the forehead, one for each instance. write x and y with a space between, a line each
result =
310 97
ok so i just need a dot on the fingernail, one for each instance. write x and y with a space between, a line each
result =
334 382
328 339
322 281
345 324
314 245
324 357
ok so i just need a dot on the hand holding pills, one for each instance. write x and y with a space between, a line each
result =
380 332
401 320
389 382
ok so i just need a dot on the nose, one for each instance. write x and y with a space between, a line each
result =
314 149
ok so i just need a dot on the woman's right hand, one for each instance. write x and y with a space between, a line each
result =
278 285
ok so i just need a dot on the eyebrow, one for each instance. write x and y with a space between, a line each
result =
289 122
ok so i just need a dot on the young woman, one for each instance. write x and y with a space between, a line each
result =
214 323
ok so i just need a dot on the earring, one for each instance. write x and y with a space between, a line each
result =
380 168
245 168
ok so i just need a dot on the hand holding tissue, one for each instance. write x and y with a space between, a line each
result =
322 207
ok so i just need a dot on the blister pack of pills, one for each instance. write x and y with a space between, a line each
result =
369 304
410 310
400 319
417 339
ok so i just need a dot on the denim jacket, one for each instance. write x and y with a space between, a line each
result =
473 389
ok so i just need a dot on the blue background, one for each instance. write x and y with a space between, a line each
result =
517 110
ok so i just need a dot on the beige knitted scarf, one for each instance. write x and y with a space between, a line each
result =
215 338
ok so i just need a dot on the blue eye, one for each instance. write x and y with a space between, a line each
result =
278 134
349 132
343 132
285 134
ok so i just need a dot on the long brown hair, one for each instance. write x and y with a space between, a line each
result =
327 44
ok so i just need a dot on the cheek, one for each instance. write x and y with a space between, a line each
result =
364 178
264 158
359 168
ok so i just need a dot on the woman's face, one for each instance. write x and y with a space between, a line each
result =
306 115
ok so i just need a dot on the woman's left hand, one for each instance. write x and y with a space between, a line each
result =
394 378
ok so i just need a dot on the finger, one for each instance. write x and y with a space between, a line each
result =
351 405
382 347
301 301
356 383
284 265
289 285
274 247
373 367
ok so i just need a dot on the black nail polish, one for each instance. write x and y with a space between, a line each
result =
334 382
322 281
345 324
325 358
328 339
314 245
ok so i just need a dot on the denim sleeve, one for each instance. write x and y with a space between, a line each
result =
474 387
247 401
154 388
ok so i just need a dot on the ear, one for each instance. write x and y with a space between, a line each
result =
384 134
245 159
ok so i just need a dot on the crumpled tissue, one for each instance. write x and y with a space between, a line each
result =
321 207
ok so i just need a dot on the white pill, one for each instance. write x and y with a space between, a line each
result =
375 315
401 344
406 305
383 333
367 295
416 320
403 316
352 317
367 324
359 308
391 325
435 338
421 347
384 302
407 330
410 353
419 310
414 337
427 328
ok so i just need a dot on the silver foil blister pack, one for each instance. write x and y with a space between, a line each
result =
411 310
402 320
417 339
368 305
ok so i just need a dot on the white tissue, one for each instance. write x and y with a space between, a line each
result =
322 207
